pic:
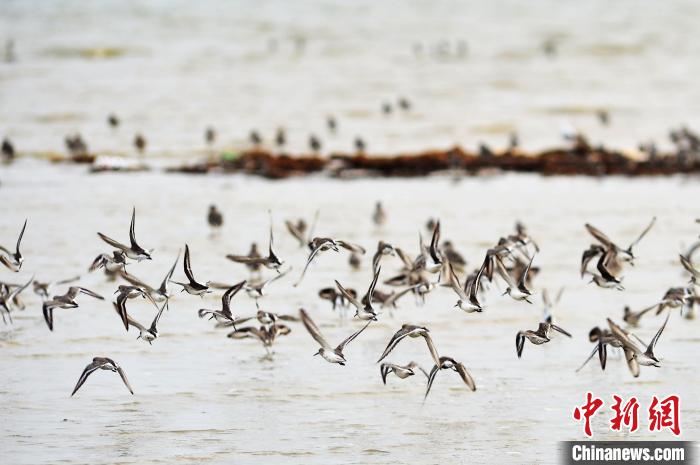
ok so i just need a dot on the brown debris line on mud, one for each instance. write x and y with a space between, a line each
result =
576 161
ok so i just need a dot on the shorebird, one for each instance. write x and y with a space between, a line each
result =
379 215
264 317
677 297
192 287
113 120
383 249
280 137
355 261
517 291
271 262
467 294
549 305
412 331
147 334
8 150
42 289
133 251
210 136
589 254
214 217
606 279
336 298
162 293
404 104
328 353
331 123
401 371
430 258
603 338
129 292
66 300
389 299
266 335
448 363
255 138
140 143
538 337
627 254
632 318
225 313
256 289
299 230
9 298
102 363
646 357
452 256
363 311
322 244
111 263
314 143
360 145
13 260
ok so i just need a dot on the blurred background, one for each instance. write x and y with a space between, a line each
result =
471 71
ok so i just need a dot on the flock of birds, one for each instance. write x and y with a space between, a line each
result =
437 265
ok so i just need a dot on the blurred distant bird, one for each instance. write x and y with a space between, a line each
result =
140 143
404 104
603 117
255 138
271 262
513 141
360 145
387 108
484 150
549 47
379 215
280 137
76 145
355 261
331 123
314 143
8 150
215 217
113 120
210 136
102 363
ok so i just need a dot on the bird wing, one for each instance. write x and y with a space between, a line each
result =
85 291
466 377
434 243
351 247
600 236
228 295
135 281
123 377
313 329
291 227
163 289
395 339
431 378
644 233
560 329
19 239
132 230
348 296
188 265
112 242
92 366
373 284
431 347
655 339
342 345
308 261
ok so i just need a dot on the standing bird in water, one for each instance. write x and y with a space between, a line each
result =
8 150
215 217
210 136
314 143
280 137
140 143
255 138
379 215
360 145
113 121
332 124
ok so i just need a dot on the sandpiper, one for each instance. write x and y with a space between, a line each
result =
225 313
192 286
162 293
517 291
329 354
401 371
448 363
215 218
322 244
13 260
383 249
646 357
147 334
42 289
129 292
467 294
413 331
379 215
133 251
111 263
66 300
271 261
538 337
363 311
102 363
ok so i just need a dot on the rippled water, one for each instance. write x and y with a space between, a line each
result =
474 71
201 397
